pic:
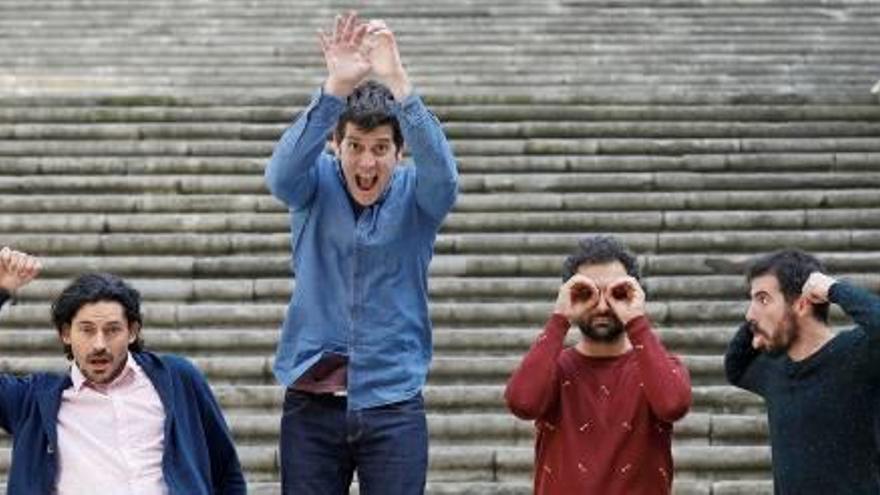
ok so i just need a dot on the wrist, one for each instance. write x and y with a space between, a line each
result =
630 321
337 88
400 86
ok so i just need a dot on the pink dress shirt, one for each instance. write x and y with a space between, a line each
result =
111 437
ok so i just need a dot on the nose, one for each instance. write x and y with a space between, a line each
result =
99 342
750 313
602 305
368 161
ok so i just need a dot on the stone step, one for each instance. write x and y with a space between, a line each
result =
444 313
478 398
37 339
440 288
702 203
455 131
686 487
469 184
207 225
842 258
515 254
249 369
491 464
39 89
144 112
135 166
465 148
500 429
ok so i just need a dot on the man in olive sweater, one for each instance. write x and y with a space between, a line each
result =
821 388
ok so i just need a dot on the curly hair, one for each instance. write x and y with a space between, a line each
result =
91 288
600 249
792 268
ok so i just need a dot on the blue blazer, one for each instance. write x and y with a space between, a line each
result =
199 458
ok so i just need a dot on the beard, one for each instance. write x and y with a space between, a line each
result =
605 332
780 340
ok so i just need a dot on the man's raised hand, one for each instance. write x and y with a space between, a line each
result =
816 287
17 269
385 59
577 295
626 298
346 55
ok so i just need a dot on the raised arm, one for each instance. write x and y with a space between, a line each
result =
436 170
744 365
17 269
533 389
859 304
291 175
667 381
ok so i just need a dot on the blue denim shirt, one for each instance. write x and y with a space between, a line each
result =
361 283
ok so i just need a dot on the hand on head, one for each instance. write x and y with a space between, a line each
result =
816 287
17 269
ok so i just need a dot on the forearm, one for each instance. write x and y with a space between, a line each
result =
532 388
436 170
741 356
667 383
859 304
290 173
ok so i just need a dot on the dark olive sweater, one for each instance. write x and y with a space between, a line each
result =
822 410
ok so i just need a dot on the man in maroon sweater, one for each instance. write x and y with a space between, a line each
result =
604 408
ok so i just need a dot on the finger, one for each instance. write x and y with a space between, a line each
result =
581 293
5 255
360 32
349 26
15 262
337 29
377 25
33 270
325 39
31 265
621 290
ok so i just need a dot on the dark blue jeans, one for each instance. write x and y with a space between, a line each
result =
323 444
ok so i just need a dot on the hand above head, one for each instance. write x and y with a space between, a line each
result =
385 59
626 298
345 54
17 269
816 287
577 295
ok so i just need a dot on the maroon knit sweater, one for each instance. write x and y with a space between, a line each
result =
604 425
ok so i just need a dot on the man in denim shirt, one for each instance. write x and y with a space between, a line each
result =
356 341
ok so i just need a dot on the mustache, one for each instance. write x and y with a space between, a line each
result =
99 355
755 329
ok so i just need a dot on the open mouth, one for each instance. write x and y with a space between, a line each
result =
99 364
366 183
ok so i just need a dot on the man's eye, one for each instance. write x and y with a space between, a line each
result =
381 149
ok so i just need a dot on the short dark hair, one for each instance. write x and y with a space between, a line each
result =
598 250
792 268
370 106
91 288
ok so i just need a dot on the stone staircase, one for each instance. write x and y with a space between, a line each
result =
133 139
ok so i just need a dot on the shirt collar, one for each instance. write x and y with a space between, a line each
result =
79 380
